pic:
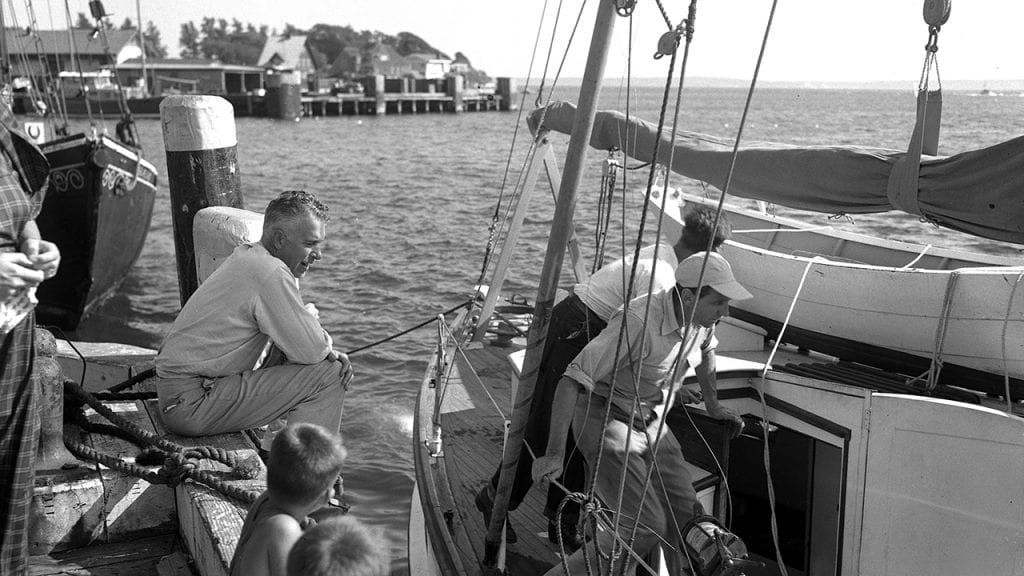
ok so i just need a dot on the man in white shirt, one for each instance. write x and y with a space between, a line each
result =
659 343
575 321
211 380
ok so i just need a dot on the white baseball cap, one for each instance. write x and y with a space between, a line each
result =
717 274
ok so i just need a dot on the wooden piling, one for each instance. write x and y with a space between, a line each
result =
375 87
454 87
202 170
506 92
284 95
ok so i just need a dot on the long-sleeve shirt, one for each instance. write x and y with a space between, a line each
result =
605 291
223 329
652 365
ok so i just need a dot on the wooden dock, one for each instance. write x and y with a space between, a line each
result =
96 520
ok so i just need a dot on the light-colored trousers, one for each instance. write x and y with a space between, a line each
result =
670 498
294 392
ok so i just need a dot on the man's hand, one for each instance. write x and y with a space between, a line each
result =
731 416
346 367
312 310
17 273
547 467
44 256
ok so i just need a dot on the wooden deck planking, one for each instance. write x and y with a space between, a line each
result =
132 507
210 522
92 504
137 557
473 439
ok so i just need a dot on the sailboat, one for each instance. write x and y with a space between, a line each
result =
98 207
845 468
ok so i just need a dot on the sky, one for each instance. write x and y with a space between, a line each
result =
811 40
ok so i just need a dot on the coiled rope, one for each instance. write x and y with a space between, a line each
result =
180 462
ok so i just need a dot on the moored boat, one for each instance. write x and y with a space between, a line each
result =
97 210
844 468
908 308
98 206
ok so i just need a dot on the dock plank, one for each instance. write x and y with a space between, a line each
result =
133 558
208 521
473 429
132 506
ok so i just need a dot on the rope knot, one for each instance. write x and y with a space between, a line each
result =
177 467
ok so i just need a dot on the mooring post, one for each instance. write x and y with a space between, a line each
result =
380 95
202 170
506 90
51 453
284 95
455 86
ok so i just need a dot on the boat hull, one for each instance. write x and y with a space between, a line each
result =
97 210
861 301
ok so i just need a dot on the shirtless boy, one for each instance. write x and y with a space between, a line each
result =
305 461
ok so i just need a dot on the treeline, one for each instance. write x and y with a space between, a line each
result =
240 43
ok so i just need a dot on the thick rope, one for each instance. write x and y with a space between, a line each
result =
1006 325
764 412
176 469
142 436
940 332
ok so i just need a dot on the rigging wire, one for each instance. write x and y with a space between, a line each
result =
721 203
508 162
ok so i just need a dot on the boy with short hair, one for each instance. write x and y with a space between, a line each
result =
305 461
339 546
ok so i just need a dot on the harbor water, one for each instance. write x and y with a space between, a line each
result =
411 198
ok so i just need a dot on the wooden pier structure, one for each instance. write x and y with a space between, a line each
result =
381 95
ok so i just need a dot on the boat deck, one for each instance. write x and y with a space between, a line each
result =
102 521
473 419
161 555
477 400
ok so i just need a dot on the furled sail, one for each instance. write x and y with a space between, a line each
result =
980 192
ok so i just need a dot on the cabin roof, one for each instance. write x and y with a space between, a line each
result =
286 52
56 42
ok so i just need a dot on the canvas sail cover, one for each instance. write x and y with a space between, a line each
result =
980 192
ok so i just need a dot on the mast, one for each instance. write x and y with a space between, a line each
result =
561 229
142 47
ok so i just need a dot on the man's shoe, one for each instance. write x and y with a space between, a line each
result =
571 536
484 503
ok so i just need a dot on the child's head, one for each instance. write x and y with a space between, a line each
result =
305 460
339 546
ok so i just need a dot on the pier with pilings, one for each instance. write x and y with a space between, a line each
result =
379 95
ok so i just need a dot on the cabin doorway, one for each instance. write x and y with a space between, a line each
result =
807 475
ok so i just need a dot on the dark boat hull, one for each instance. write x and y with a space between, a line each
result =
97 210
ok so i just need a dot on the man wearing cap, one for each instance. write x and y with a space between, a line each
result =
652 360
575 321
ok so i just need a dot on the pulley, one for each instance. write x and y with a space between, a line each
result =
97 10
713 550
668 43
936 12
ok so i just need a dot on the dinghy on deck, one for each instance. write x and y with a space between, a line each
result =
899 306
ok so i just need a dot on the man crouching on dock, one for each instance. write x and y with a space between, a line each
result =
214 373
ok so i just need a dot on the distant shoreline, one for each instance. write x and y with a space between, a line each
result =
998 86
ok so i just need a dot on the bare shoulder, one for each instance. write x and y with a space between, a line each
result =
267 549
